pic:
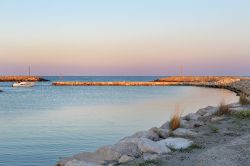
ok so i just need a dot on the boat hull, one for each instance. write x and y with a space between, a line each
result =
23 84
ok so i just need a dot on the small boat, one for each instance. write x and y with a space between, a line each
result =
23 84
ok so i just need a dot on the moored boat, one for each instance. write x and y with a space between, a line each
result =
23 84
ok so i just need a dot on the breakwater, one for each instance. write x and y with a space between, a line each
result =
233 83
21 78
113 83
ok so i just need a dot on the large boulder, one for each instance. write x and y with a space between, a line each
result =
182 132
125 159
79 163
114 152
150 134
148 146
149 156
191 123
153 135
207 111
85 159
162 133
192 116
176 143
165 126
108 153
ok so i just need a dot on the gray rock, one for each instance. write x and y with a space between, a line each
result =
197 123
108 153
79 163
148 146
130 140
150 134
191 123
85 158
184 124
139 134
217 118
162 133
125 159
176 143
207 111
192 116
234 153
149 156
184 132
127 148
165 125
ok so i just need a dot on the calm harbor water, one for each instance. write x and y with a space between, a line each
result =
40 125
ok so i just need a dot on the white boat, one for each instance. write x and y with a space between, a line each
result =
23 84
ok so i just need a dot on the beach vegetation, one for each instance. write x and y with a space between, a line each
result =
175 120
223 109
242 114
171 133
243 100
213 128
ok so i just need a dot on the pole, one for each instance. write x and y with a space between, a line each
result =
29 70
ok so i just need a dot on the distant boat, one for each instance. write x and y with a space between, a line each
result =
23 84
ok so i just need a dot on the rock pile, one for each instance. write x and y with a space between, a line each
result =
146 145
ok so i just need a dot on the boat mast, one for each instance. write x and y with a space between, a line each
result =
29 70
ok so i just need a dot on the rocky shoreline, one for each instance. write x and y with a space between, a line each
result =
203 133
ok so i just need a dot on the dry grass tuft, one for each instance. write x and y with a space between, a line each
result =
244 100
175 121
223 109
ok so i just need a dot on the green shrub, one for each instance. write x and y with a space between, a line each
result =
213 128
242 114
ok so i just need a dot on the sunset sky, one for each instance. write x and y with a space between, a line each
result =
125 37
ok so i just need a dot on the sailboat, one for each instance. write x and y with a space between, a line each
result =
23 83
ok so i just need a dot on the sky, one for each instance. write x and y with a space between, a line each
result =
125 37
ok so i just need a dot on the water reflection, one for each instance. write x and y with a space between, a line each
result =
66 121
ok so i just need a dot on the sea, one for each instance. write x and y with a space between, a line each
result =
45 123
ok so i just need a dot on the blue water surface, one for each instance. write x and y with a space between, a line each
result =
40 125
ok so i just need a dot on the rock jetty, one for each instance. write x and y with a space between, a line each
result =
239 85
113 83
228 82
21 78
